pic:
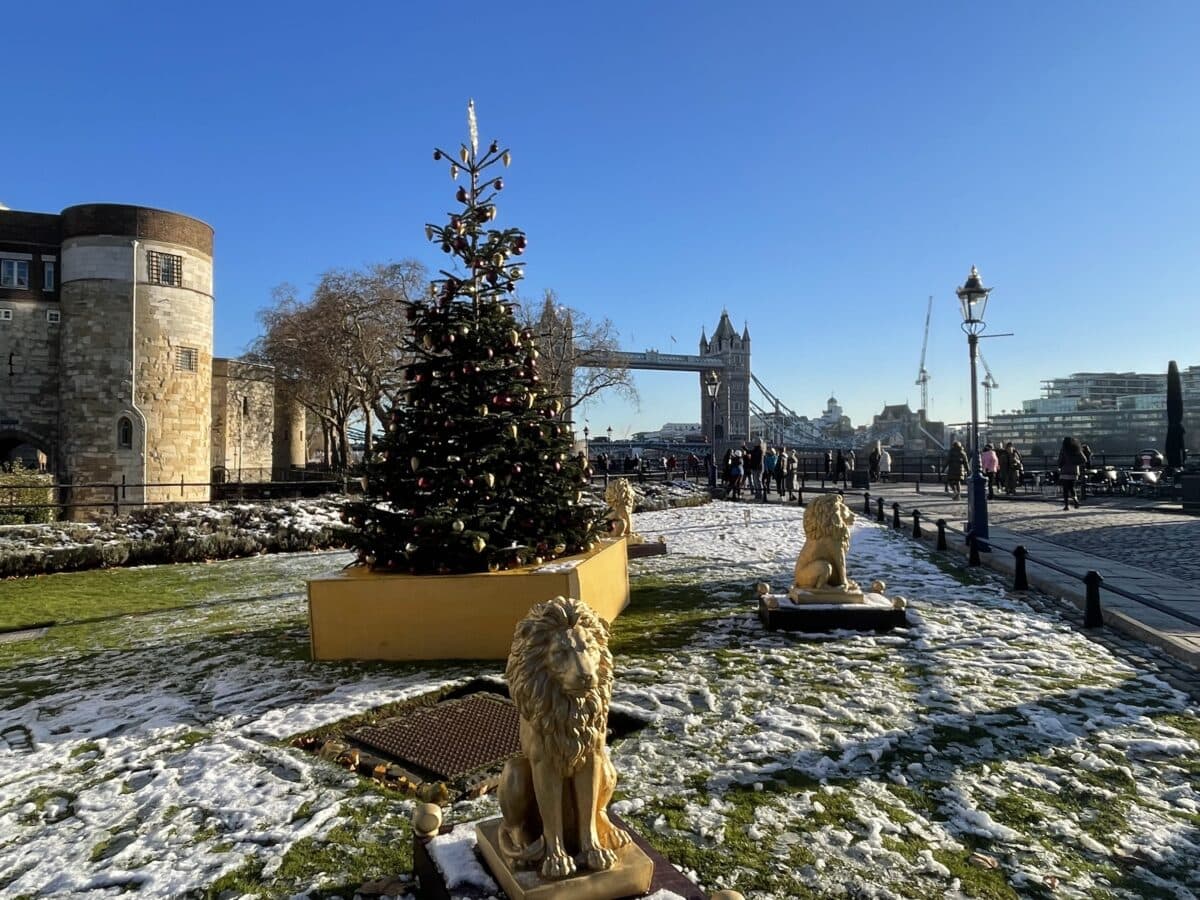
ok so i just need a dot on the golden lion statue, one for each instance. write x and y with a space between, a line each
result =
621 499
554 795
821 566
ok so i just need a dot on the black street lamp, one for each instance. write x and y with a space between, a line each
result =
712 384
973 297
586 432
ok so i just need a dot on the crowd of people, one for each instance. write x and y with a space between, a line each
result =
756 468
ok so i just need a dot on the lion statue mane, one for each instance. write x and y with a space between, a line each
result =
554 795
821 565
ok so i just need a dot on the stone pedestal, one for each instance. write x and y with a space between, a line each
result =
873 612
650 548
630 876
664 876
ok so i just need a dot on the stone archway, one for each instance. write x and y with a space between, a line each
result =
18 444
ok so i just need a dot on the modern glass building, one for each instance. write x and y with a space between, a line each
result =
1114 413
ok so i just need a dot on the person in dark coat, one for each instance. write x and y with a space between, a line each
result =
754 469
1071 463
873 463
839 468
956 466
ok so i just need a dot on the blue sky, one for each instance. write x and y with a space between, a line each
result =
818 170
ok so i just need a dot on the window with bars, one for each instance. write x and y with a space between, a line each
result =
53 316
164 268
186 359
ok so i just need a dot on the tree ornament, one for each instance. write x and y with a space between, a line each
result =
477 544
453 172
410 547
560 549
429 232
461 195
489 479
427 341
507 157
498 184
482 409
463 155
457 526
494 148
415 462
437 154
512 429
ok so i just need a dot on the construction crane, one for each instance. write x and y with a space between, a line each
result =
989 382
922 375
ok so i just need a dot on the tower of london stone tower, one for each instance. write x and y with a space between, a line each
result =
733 397
106 342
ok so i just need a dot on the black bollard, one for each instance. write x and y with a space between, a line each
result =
941 525
973 559
1092 615
867 502
800 495
916 524
896 516
879 509
1020 581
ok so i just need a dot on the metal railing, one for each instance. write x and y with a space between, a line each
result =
1091 579
126 495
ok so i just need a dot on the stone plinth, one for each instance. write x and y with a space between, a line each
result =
665 876
651 548
874 612
630 876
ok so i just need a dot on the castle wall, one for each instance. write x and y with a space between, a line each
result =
289 442
136 365
175 329
243 420
29 373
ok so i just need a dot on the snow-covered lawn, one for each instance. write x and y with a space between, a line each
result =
990 750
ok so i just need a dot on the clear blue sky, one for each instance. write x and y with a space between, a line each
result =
817 170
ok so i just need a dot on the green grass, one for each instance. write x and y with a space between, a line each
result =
77 596
662 615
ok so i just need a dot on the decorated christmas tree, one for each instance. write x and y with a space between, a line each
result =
475 472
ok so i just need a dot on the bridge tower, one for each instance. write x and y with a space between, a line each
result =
733 398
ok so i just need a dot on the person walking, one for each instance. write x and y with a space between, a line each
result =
829 463
839 467
956 465
1012 475
873 463
770 458
754 469
792 464
1071 462
736 474
885 464
990 463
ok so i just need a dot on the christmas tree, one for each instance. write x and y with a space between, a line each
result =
475 472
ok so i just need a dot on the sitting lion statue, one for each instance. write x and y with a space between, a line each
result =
621 499
821 565
554 795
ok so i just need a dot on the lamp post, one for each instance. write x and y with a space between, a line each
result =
712 384
973 297
586 432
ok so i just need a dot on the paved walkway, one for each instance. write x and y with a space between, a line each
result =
1145 547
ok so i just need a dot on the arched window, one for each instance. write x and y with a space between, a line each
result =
124 433
245 406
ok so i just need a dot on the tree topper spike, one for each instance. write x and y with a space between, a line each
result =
472 127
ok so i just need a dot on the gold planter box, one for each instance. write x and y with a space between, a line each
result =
359 614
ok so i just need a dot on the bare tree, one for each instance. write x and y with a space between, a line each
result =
341 349
577 354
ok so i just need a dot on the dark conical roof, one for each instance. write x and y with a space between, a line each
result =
724 328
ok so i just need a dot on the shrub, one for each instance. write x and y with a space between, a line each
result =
21 490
